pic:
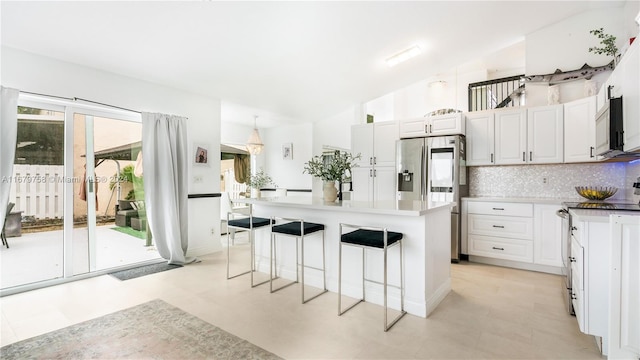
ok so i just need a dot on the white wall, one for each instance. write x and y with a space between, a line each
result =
29 72
334 132
565 46
288 173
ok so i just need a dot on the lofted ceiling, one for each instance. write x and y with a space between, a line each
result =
296 61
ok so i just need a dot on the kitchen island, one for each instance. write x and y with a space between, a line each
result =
427 247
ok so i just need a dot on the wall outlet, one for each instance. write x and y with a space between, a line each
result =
545 180
213 231
197 179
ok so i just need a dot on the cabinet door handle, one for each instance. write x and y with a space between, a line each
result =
492 158
621 139
530 155
370 173
375 160
572 259
499 226
374 173
430 128
370 161
524 156
426 128
591 151
497 248
498 208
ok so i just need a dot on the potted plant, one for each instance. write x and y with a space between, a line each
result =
331 169
609 44
257 181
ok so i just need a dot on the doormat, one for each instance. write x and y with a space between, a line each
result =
153 330
142 271
131 231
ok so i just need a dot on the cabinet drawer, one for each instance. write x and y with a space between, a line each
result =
500 248
501 208
502 226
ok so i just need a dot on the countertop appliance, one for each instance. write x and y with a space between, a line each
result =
434 169
567 228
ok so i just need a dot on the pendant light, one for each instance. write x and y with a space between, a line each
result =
254 144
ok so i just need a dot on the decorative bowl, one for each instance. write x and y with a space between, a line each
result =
596 192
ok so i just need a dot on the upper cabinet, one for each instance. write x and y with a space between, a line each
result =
629 74
511 137
545 134
480 138
580 130
448 124
515 136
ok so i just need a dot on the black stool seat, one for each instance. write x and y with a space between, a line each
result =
371 238
246 222
293 228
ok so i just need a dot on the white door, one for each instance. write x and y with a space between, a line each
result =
362 143
384 183
511 137
449 124
385 135
631 98
362 178
545 134
547 240
624 291
580 130
480 138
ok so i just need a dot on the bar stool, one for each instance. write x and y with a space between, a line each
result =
296 228
250 223
376 239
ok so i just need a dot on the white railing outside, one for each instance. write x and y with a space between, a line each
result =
37 190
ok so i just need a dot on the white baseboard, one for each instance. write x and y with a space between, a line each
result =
516 264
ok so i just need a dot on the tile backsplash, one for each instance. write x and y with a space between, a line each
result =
528 180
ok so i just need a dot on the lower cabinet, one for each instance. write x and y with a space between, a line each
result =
624 320
517 231
590 267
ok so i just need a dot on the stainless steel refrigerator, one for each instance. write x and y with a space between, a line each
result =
434 169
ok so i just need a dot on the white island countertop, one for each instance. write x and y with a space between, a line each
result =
392 207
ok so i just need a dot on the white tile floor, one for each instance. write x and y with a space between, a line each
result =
491 313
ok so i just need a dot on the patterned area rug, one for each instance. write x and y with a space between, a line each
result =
143 270
153 330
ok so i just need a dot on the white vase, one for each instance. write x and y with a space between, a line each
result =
329 191
255 193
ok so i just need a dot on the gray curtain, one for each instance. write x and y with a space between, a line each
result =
165 162
8 135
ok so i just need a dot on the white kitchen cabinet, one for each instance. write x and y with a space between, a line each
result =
580 130
510 137
374 177
437 125
629 69
590 275
376 143
526 233
547 239
480 138
545 134
373 183
624 320
500 230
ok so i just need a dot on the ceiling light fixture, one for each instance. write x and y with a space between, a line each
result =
254 144
403 55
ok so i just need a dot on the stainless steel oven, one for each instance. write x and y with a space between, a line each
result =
566 253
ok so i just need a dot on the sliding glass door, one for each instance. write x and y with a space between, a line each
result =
78 192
